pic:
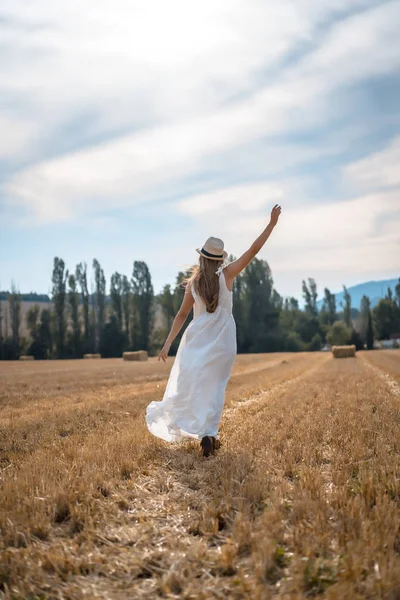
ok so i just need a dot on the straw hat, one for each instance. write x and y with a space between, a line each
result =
213 249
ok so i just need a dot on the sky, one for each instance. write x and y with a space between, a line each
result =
135 130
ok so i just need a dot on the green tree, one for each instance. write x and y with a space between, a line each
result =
262 314
339 334
239 313
356 340
1 331
365 307
112 340
179 290
310 296
81 278
116 289
143 295
397 292
315 344
32 317
73 300
32 324
14 303
99 301
328 313
370 332
307 326
45 338
301 329
287 315
346 307
386 317
293 342
93 329
59 279
39 331
127 308
166 300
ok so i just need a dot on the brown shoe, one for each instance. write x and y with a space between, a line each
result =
217 444
207 445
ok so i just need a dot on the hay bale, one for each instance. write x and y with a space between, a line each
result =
343 351
92 356
25 357
138 355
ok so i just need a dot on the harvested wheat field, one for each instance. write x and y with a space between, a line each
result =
302 500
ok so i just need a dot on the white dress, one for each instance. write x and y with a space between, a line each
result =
195 393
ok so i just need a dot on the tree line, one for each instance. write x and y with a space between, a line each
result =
132 317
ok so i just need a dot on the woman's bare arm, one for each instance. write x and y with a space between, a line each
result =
237 266
179 320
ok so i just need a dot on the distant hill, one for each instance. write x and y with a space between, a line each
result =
375 290
31 297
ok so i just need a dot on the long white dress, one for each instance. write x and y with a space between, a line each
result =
194 397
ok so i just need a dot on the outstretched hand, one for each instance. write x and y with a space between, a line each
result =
275 214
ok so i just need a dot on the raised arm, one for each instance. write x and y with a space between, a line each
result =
179 320
235 267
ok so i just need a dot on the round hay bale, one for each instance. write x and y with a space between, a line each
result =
139 355
26 357
92 356
343 351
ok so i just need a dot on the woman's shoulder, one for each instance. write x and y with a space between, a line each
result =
228 281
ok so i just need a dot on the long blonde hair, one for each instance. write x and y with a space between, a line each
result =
205 281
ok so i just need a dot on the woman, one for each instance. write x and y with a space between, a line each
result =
194 397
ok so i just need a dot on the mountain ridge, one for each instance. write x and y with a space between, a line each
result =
375 290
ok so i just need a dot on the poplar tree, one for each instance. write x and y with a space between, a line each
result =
329 306
100 301
127 307
365 307
347 307
59 279
116 289
310 296
14 303
370 332
166 300
73 300
143 294
81 278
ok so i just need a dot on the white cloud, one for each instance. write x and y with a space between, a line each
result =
333 241
16 136
171 77
338 224
328 224
192 47
246 198
378 170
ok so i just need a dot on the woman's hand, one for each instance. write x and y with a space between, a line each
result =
275 214
164 352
